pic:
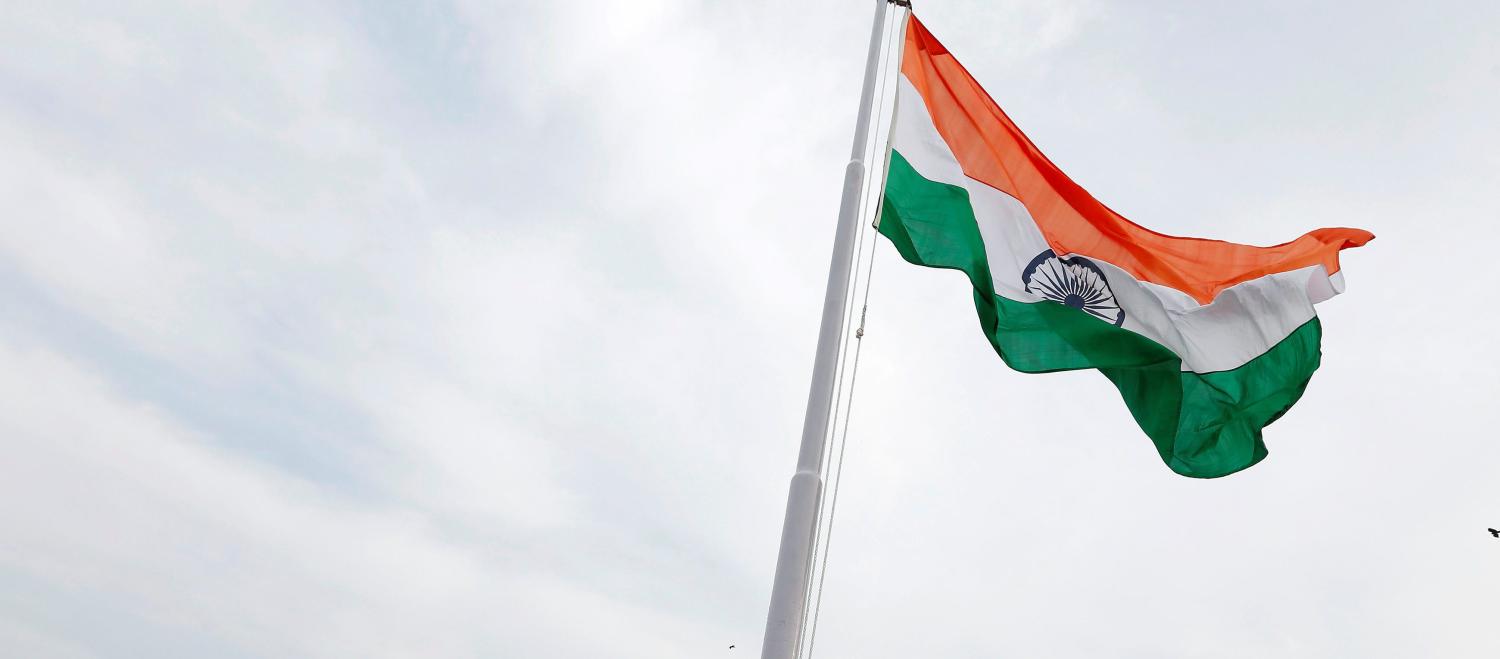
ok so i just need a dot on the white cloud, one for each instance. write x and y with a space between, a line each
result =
117 508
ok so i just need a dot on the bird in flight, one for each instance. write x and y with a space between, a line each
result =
732 647
1493 532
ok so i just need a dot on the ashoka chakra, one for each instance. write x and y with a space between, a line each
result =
1073 282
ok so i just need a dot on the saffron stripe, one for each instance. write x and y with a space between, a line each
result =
990 148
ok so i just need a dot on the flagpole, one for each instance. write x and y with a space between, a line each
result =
794 560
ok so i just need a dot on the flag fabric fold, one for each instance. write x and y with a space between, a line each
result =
1207 341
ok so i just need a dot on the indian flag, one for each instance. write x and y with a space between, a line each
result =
1207 341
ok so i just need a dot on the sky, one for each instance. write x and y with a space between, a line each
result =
462 329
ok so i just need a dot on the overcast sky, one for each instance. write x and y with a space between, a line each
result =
484 329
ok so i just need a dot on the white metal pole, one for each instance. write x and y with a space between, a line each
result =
794 560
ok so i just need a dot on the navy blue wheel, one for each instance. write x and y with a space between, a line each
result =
1074 282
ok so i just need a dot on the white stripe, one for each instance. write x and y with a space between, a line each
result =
1241 323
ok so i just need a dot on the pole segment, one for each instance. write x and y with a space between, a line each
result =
794 560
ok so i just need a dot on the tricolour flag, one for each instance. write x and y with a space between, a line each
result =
1207 341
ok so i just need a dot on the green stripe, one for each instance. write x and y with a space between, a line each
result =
1203 425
